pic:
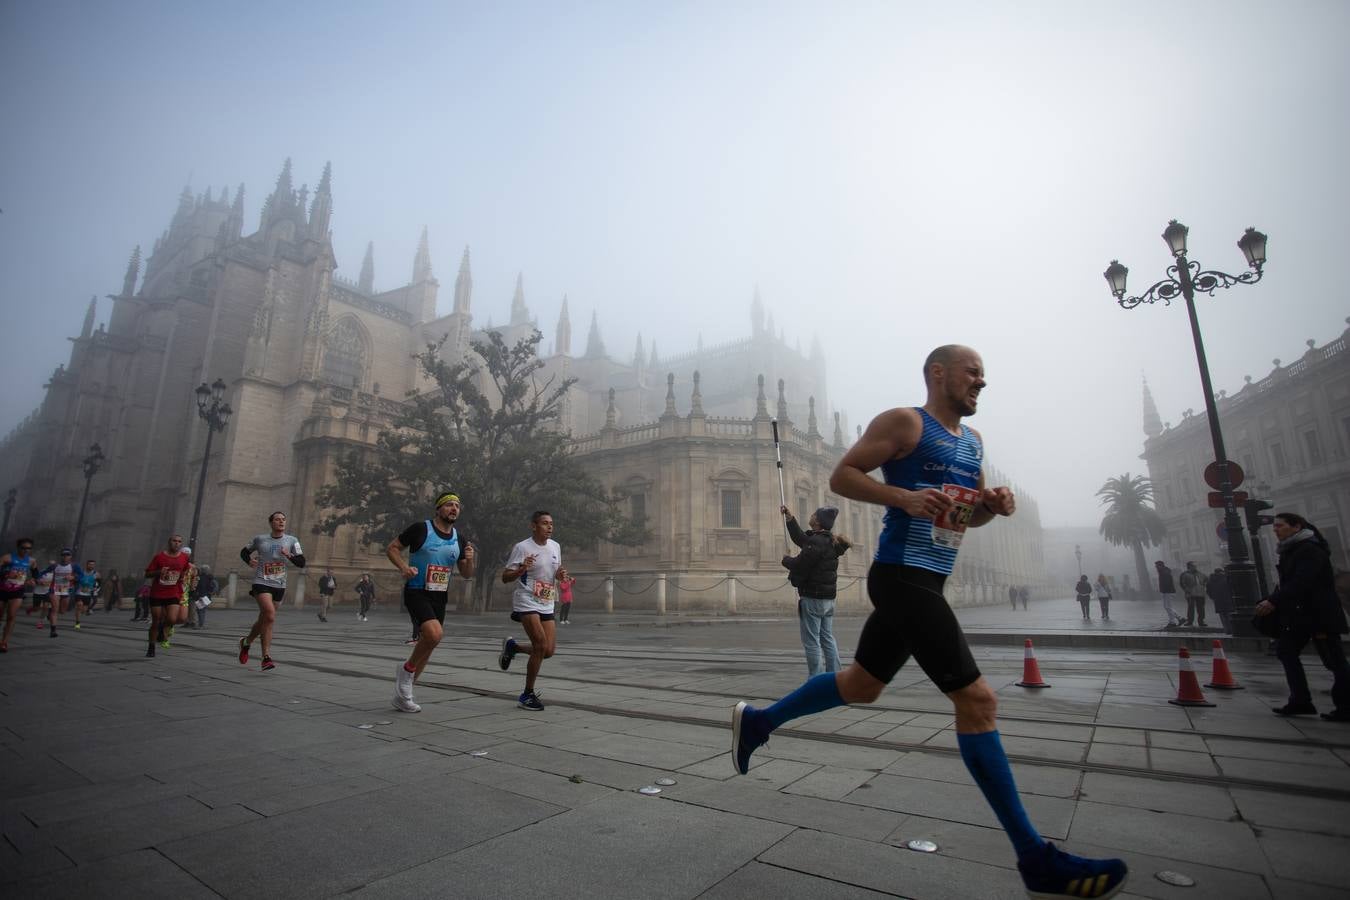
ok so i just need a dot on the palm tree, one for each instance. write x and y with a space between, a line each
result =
1130 520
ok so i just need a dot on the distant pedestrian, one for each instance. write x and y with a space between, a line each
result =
814 573
1012 595
1307 608
1024 594
565 600
142 599
202 594
1220 597
112 591
327 588
1103 588
1084 592
1168 589
365 592
1193 586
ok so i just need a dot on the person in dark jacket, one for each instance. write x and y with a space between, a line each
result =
1084 591
814 573
1168 589
1216 588
1307 608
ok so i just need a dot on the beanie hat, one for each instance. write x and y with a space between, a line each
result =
825 516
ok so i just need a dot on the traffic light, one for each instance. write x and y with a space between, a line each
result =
1254 518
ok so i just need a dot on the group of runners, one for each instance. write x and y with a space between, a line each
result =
933 489
58 588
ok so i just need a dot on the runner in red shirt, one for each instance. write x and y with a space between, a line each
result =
167 569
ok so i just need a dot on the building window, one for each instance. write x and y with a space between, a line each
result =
1171 499
1277 460
637 508
1314 448
344 356
731 509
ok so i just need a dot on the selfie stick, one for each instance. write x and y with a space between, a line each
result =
782 496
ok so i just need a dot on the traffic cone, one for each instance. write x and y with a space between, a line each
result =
1188 686
1222 678
1031 672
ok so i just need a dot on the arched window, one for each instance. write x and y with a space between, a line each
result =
344 354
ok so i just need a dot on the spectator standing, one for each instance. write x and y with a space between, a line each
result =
1193 586
814 573
1308 609
1168 589
203 592
1012 595
1220 598
1024 594
112 591
327 588
565 600
1103 588
1084 592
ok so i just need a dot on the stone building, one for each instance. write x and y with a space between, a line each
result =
316 364
1290 433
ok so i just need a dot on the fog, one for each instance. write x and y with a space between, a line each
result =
890 176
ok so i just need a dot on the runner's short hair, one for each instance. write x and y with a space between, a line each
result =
539 514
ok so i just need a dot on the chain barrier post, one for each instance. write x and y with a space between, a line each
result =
661 594
609 593
731 594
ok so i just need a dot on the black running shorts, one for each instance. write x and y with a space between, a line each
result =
517 615
276 592
423 605
910 617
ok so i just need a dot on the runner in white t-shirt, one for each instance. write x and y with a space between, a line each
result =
535 565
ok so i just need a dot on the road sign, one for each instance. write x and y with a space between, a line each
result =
1216 499
1212 478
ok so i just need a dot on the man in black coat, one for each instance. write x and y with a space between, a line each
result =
1307 608
814 573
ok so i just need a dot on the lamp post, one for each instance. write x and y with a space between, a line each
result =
9 509
1184 278
211 407
1078 552
91 463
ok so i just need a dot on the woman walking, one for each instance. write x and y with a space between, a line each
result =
1307 608
1084 592
1103 589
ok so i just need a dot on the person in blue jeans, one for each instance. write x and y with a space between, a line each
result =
933 490
814 573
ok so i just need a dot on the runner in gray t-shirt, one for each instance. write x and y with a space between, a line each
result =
268 554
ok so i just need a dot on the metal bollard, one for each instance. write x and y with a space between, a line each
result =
731 594
609 593
661 594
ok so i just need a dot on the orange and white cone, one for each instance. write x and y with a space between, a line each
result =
1222 678
1188 686
1031 671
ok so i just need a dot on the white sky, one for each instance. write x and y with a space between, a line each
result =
891 175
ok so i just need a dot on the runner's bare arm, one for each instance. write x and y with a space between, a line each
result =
891 435
395 554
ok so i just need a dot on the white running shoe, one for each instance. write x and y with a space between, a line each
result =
404 683
405 704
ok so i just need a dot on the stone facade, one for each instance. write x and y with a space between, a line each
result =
315 364
1290 433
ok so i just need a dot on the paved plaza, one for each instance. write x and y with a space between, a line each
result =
188 775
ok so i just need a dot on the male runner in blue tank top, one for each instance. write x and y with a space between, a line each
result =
934 489
436 554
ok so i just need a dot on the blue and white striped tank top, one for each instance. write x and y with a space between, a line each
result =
939 461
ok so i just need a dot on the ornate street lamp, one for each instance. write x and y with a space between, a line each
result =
1184 278
211 407
91 463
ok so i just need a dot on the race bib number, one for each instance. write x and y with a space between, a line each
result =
63 583
168 576
544 591
951 527
14 579
438 578
273 569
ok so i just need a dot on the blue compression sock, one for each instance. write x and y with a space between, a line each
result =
817 694
988 764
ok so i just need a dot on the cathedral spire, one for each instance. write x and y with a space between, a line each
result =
811 429
595 345
133 272
639 355
233 227
761 401
782 404
563 339
838 433
422 262
756 314
655 360
696 398
463 284
519 314
89 315
321 212
367 280
1152 421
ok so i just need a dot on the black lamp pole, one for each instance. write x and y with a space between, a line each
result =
1185 278
91 463
9 508
211 407
1078 552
